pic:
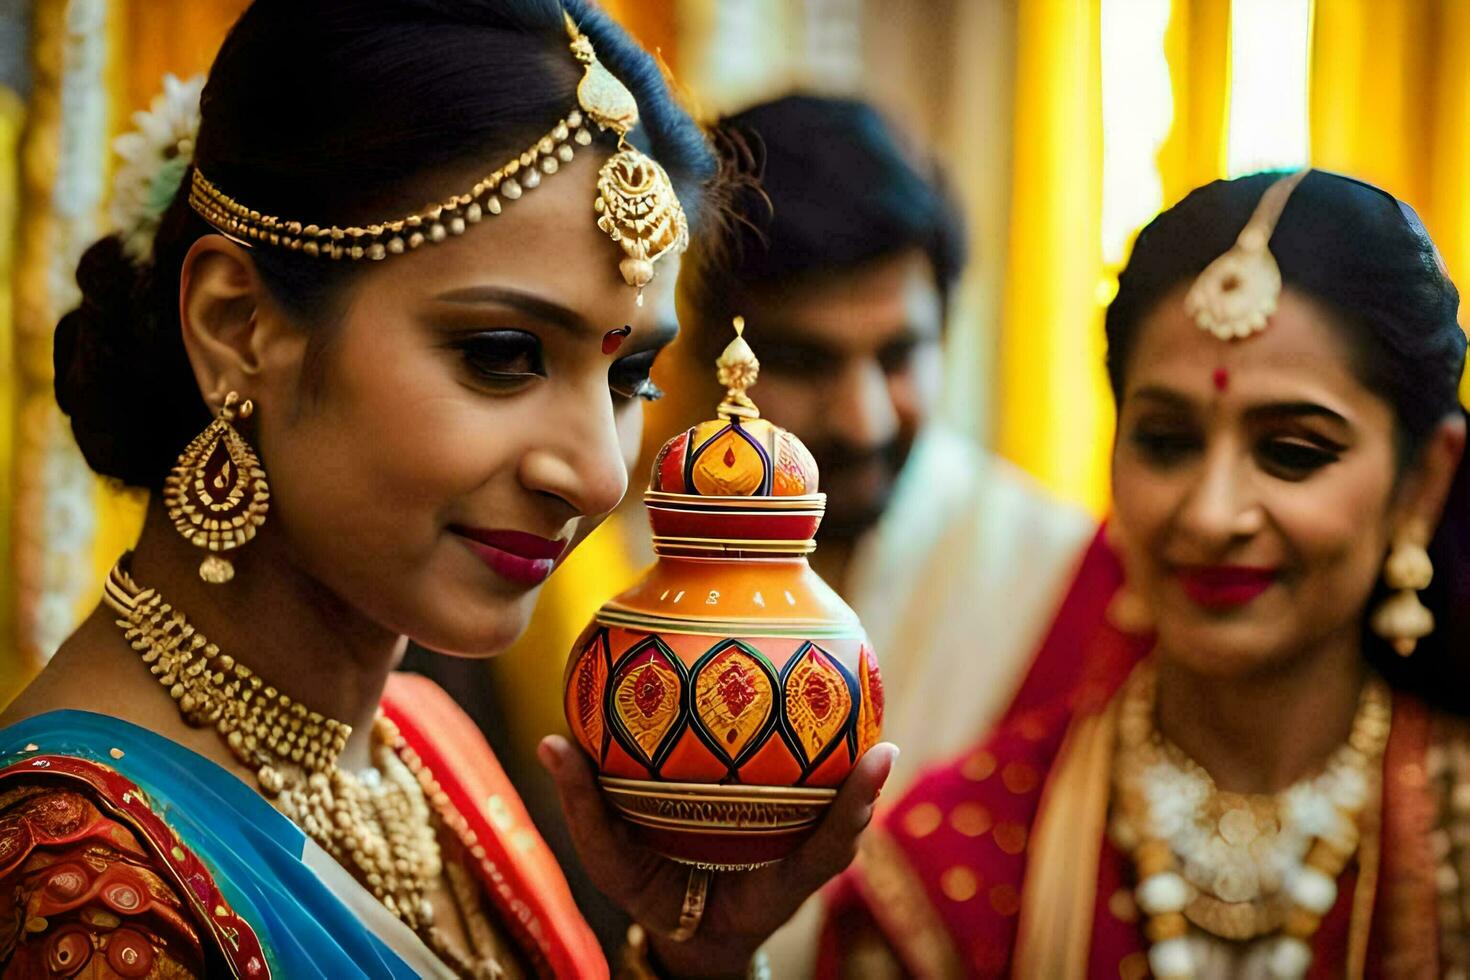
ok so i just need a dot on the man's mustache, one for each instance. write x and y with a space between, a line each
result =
835 457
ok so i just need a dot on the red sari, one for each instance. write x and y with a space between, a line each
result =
517 869
999 864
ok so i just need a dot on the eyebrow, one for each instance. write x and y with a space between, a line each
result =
788 334
1155 393
1308 409
1274 409
553 314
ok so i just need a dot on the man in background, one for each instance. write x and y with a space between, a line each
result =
844 263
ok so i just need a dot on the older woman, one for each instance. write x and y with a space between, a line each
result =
363 419
1277 789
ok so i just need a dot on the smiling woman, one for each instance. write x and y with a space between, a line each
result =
363 419
1276 789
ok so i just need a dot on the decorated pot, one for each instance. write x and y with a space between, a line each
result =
727 694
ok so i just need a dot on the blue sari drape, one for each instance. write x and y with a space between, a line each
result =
252 852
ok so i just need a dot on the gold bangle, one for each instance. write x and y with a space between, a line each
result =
695 894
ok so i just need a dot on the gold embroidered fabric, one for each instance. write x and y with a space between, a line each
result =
79 895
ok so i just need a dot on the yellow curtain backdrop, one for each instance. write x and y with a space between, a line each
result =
12 117
157 37
1052 416
1054 413
1390 103
62 167
93 62
1198 49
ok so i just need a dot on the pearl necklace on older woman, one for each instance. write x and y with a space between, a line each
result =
1239 867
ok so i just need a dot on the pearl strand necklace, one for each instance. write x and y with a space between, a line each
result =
1164 801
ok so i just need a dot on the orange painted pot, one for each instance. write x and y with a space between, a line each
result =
727 694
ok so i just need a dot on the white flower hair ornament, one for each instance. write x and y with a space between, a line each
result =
155 156
1238 292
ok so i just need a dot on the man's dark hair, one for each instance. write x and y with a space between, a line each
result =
837 189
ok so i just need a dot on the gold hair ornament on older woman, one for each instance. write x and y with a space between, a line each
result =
1237 292
636 205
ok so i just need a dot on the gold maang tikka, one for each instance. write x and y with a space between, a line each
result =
636 204
217 494
1237 293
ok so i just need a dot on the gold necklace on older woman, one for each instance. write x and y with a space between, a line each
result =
378 825
1237 866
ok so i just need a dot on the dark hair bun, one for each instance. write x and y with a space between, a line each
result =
97 379
121 372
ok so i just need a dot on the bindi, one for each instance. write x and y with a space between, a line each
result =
613 339
1221 379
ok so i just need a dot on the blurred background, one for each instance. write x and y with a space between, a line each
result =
1064 124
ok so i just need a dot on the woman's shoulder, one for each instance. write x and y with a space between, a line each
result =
940 875
979 806
79 891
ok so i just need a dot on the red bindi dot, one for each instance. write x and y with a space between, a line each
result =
1221 378
613 339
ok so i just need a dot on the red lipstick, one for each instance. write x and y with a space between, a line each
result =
1225 586
525 559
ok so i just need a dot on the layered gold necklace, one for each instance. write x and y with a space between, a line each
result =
1237 866
378 824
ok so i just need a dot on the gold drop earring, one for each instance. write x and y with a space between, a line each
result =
217 495
1402 619
1127 611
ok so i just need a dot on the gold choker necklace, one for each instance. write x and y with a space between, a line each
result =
379 825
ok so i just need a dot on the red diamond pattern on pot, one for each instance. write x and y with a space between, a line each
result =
818 701
588 685
733 699
646 693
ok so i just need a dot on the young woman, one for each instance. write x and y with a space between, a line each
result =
363 419
1277 790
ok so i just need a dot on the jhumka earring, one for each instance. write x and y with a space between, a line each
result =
217 495
1403 620
1127 611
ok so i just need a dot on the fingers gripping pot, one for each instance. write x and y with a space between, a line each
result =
727 695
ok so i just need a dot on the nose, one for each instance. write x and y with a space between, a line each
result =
860 404
1221 506
576 455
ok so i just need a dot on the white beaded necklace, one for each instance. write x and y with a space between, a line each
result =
1239 867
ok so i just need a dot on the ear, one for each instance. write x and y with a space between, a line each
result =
219 293
1426 487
